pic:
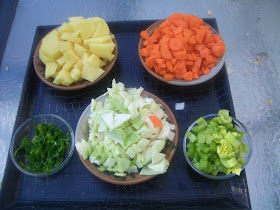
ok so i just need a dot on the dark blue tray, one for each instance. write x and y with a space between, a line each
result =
75 186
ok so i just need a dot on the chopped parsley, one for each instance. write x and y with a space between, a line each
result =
47 149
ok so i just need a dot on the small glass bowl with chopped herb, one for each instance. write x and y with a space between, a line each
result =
217 146
42 145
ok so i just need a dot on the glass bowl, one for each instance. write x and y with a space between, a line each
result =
27 129
246 140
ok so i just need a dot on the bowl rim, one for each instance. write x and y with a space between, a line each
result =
180 82
58 168
143 177
210 176
69 88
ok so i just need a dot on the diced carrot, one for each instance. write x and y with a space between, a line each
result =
164 40
151 61
154 38
200 35
180 55
149 47
178 30
211 65
189 63
169 65
157 69
156 121
146 42
199 72
189 68
160 60
197 62
195 75
188 76
195 69
218 50
205 52
199 47
194 56
189 57
176 44
170 34
155 53
163 72
187 34
182 67
209 59
144 52
179 76
217 37
176 66
210 44
169 76
162 66
165 51
206 71
190 48
144 34
155 46
214 59
192 40
174 61
204 61
166 23
207 36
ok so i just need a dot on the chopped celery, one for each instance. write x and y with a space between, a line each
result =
201 121
203 147
203 164
246 148
201 154
196 156
196 165
213 147
232 162
191 136
212 124
218 120
191 150
232 140
201 138
195 129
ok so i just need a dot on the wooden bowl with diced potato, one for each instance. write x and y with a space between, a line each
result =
76 55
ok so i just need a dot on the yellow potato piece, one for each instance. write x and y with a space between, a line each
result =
79 49
50 45
102 50
69 55
51 68
76 74
79 65
67 36
90 72
44 58
65 46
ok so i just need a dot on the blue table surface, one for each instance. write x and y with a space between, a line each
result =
250 31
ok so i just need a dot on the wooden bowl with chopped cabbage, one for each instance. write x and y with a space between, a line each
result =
126 136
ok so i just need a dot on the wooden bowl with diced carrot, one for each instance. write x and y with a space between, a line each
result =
181 50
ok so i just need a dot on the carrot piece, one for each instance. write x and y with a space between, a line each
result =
209 59
197 62
187 34
206 71
211 65
165 51
204 61
180 55
178 30
200 35
169 76
156 47
188 76
162 65
195 75
149 47
176 66
179 76
166 23
199 72
144 34
164 40
176 44
160 60
182 67
163 72
217 37
194 56
155 53
189 63
192 40
170 34
189 68
151 61
146 42
214 59
207 36
190 48
189 57
195 69
177 19
217 50
154 38
199 47
155 121
205 52
144 52
169 65
174 61
157 69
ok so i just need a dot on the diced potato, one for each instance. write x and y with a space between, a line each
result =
67 79
99 40
50 45
94 60
90 72
61 61
64 28
86 28
103 50
67 36
84 57
76 34
76 19
51 68
79 65
102 63
76 74
69 55
69 65
102 29
60 77
65 46
79 49
44 58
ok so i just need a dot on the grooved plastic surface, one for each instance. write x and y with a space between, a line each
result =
75 186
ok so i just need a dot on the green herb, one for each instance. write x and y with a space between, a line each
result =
47 149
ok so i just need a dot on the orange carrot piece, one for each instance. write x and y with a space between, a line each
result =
156 47
144 34
217 50
174 61
178 30
155 121
166 23
211 65
176 44
195 69
169 65
205 52
163 72
179 76
144 52
149 47
160 60
169 76
189 57
170 34
162 65
206 71
188 76
217 37
180 55
151 61
214 59
199 47
200 35
165 51
209 59
155 53
187 33
157 69
176 66
146 42
197 62
189 63
207 36
194 56
182 67
199 72
192 40
195 75
154 38
190 48
210 44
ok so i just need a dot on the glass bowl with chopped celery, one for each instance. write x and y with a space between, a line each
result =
217 146
42 145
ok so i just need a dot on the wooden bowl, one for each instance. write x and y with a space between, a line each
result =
82 131
39 67
180 82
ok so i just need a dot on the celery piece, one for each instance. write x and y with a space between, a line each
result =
246 148
213 157
201 121
232 140
201 138
191 136
201 154
195 129
232 162
191 150
226 144
215 171
196 165
224 116
234 129
213 146
231 155
202 127
222 168
209 138
212 124
229 126
241 161
196 156
203 164
217 162
203 147
225 162
209 168
218 120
